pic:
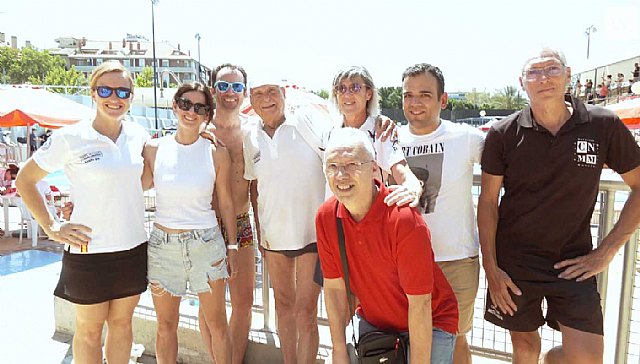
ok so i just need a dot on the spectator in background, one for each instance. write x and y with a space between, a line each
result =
636 72
588 91
33 140
578 89
603 91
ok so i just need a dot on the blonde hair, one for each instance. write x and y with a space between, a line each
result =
108 67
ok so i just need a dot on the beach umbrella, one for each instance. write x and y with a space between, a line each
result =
27 106
628 111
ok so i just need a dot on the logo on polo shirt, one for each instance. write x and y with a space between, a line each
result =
256 157
586 154
90 157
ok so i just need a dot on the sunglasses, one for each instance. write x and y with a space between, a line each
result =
106 91
354 88
186 105
534 74
223 86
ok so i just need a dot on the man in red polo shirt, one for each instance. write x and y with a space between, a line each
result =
392 272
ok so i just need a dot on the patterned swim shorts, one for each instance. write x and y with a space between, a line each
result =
243 226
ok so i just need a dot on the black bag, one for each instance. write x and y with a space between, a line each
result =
375 347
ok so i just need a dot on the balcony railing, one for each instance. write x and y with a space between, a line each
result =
617 286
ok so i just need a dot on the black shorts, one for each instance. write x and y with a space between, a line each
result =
573 304
88 279
310 248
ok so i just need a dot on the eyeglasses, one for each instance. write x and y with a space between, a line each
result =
223 86
534 74
350 168
106 91
354 88
198 108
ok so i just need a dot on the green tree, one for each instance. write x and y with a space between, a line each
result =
390 97
145 78
8 56
33 65
60 76
508 98
322 93
453 104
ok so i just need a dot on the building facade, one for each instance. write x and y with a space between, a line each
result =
174 65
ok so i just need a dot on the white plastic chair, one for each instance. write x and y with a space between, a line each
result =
32 225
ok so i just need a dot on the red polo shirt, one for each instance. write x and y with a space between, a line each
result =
389 255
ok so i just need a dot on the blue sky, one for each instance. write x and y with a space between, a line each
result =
477 44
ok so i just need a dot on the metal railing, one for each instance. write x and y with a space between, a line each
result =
489 340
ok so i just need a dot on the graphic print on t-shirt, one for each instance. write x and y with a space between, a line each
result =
425 162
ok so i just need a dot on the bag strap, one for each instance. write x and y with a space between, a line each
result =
345 269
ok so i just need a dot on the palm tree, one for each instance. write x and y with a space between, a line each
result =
509 98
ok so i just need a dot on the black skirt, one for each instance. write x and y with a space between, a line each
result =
88 279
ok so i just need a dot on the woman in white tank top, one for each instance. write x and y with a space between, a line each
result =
186 248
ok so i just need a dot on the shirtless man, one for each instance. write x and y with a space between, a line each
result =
229 91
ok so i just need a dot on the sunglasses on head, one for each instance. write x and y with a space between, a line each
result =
106 91
198 108
354 88
223 86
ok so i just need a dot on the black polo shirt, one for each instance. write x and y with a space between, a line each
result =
551 184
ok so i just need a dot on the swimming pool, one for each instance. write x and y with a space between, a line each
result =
25 260
59 179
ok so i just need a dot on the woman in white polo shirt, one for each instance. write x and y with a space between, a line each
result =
186 248
104 266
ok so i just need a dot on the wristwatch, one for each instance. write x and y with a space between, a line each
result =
232 247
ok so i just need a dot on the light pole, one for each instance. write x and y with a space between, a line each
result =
199 65
155 75
587 32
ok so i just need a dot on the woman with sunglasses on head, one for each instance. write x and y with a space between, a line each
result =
104 265
186 248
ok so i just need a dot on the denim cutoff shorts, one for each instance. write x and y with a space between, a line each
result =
182 261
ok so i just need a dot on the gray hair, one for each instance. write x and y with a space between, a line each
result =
354 71
350 138
548 53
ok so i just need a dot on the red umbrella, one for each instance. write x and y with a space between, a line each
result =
628 111
27 106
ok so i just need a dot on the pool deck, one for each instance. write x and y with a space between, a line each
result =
28 334
27 324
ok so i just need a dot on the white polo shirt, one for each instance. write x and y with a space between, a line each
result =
105 182
443 161
290 185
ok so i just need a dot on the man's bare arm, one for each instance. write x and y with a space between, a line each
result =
499 281
420 328
335 298
409 190
596 261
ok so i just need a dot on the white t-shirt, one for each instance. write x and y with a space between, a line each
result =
443 161
388 153
105 180
290 184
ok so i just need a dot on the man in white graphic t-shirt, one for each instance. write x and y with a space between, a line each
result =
441 154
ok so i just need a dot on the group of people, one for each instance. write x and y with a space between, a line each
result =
394 206
604 89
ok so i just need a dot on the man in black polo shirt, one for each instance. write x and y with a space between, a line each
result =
537 242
